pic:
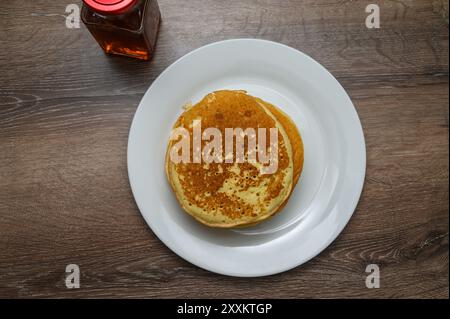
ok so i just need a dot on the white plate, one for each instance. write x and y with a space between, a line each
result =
334 167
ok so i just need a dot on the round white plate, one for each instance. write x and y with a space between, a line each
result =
334 167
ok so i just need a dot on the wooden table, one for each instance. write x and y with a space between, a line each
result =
65 113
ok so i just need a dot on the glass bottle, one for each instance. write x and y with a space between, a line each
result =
124 27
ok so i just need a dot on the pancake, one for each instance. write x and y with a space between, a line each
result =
226 195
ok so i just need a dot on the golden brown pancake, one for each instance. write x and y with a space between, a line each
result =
230 195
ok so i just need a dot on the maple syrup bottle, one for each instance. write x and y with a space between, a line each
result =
124 27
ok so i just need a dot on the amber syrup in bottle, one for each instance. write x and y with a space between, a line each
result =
124 27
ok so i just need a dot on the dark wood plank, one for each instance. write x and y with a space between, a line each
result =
65 112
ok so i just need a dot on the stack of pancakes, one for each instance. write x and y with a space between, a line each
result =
234 194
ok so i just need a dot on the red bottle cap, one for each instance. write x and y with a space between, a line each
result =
109 6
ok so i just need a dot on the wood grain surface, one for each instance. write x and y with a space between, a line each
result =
65 113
